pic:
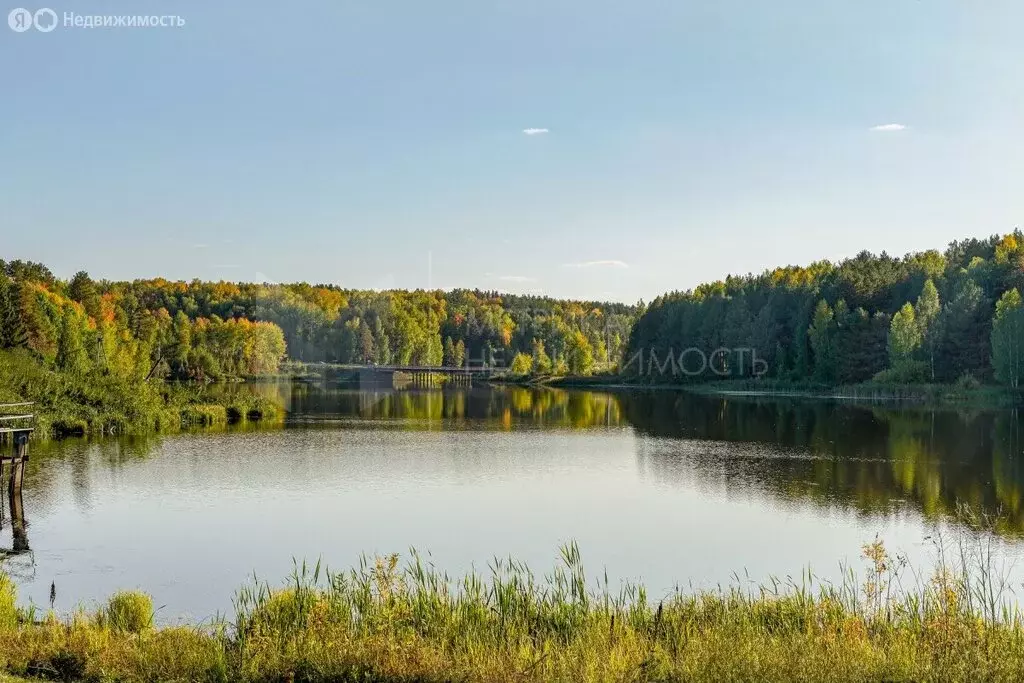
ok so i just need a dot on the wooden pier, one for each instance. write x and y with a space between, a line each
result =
16 426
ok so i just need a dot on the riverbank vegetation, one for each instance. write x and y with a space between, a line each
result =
382 622
926 318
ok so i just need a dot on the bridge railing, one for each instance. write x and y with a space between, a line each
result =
16 418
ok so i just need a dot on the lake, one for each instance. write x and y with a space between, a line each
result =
662 487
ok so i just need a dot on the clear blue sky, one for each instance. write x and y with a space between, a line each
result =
356 142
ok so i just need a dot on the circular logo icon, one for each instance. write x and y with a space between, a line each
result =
45 20
20 19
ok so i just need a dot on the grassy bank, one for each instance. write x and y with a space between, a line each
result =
73 404
381 622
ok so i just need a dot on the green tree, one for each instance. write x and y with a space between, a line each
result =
459 357
449 352
579 355
541 360
926 312
904 336
522 364
10 324
821 334
366 345
1008 339
181 329
82 289
71 356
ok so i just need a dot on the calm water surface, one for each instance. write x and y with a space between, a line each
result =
663 487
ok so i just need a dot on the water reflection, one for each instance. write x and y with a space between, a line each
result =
501 408
873 459
661 486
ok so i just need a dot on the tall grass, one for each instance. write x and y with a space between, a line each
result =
387 621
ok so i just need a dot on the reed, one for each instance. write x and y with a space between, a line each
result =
388 621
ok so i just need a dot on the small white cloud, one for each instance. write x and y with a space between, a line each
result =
516 278
535 131
888 128
610 263
227 265
200 246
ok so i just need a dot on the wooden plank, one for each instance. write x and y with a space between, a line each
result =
16 405
15 430
6 418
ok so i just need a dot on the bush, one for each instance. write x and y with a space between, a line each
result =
907 372
130 611
8 598
204 415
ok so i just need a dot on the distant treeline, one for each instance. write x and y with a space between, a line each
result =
216 330
953 316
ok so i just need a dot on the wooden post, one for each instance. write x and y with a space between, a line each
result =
20 544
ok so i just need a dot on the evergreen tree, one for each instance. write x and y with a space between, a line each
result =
821 336
459 357
9 323
449 352
541 360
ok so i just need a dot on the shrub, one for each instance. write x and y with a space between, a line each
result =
204 415
130 611
8 598
907 372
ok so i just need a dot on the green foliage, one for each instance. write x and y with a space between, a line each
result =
541 360
9 614
821 335
904 336
389 622
906 371
1008 339
844 323
579 355
204 415
128 611
522 364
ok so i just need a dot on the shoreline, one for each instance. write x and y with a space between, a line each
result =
389 622
918 394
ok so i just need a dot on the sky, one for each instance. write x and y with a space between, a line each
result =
586 149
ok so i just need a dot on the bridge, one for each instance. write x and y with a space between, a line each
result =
386 375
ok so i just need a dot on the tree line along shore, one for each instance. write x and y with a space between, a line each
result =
112 357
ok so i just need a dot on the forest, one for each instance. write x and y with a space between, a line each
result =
118 353
106 355
927 317
221 330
